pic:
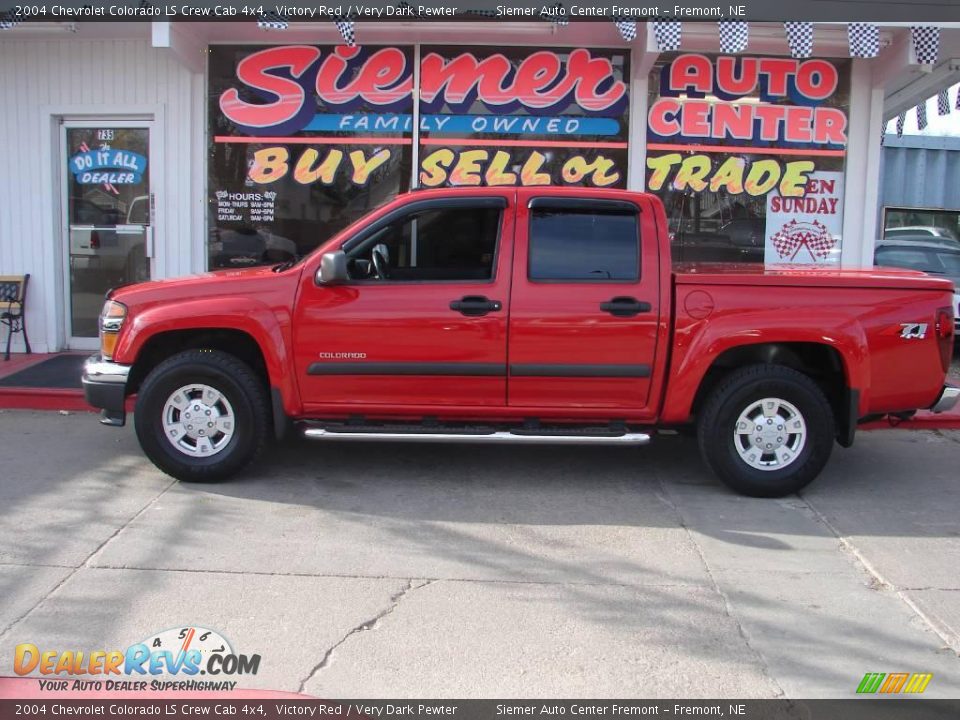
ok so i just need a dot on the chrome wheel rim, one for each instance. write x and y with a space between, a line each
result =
198 420
770 434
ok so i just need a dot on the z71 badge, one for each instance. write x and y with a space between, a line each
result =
913 331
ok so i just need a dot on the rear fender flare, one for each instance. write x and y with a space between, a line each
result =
701 343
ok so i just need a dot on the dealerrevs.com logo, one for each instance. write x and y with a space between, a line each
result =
184 653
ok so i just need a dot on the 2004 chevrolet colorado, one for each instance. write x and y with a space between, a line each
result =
536 315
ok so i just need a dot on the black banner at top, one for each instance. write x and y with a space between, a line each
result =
876 11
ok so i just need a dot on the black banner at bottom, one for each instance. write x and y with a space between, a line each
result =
276 709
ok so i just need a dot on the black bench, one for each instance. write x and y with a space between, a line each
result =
13 302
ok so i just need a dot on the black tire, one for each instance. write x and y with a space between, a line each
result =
732 396
238 384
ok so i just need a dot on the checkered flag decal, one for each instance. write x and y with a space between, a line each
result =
8 20
922 115
795 235
627 28
901 119
864 40
734 35
272 21
926 43
943 102
347 32
799 38
667 34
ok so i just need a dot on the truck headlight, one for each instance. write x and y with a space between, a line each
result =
111 320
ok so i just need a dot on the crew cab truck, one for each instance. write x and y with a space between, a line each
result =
534 315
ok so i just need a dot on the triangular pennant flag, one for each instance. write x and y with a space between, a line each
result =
559 16
864 39
627 28
922 115
734 36
943 102
8 20
901 118
926 43
346 29
667 34
273 21
799 38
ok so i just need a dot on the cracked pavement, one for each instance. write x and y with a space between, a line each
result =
391 571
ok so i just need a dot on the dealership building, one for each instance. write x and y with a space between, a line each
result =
141 150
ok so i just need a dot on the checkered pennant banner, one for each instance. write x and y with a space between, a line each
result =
943 102
8 20
922 115
901 119
957 106
667 34
734 35
347 32
273 21
799 38
559 16
864 39
883 134
926 43
482 13
627 28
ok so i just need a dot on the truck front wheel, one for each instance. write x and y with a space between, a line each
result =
201 415
766 430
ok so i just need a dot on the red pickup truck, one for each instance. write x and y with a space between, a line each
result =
535 315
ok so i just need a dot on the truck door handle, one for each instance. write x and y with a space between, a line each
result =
475 305
625 307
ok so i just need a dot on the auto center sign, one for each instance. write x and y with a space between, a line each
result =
747 124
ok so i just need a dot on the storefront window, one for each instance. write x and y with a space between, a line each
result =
302 141
521 116
747 154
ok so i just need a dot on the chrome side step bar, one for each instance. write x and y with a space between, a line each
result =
499 437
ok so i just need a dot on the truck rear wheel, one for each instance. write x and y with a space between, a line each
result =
766 430
201 415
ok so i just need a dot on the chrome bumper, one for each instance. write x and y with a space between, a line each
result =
948 398
105 387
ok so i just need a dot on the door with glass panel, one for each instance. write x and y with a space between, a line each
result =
108 212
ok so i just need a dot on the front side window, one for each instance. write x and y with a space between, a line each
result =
577 245
447 244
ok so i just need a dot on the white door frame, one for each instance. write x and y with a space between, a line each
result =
152 121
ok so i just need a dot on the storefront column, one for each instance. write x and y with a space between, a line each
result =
641 62
862 172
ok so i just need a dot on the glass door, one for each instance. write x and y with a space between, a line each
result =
108 217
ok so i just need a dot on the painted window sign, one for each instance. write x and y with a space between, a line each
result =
515 117
736 145
292 81
108 166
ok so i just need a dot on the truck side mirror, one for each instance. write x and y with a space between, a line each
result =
333 269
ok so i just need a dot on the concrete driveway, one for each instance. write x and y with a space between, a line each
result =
391 571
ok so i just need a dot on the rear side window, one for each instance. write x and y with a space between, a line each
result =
584 245
910 259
